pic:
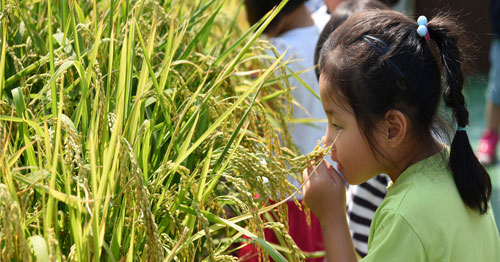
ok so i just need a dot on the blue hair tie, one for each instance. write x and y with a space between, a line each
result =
460 128
382 48
422 30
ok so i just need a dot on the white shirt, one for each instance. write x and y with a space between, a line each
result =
314 5
321 17
300 43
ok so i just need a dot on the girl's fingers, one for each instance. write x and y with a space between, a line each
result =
315 175
324 168
305 174
327 168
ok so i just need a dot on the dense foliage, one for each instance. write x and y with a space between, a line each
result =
140 130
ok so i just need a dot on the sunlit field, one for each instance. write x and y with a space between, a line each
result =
141 131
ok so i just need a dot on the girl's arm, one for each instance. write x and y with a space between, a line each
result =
337 240
324 193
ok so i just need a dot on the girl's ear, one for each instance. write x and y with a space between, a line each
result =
396 127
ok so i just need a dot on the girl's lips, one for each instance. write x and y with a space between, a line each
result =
340 167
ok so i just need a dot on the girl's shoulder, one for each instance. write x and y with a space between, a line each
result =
426 204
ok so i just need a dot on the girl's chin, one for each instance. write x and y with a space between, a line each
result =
349 179
356 180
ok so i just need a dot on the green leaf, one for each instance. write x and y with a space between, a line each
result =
201 35
18 98
270 250
220 120
39 248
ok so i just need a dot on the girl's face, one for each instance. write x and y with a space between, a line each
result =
351 151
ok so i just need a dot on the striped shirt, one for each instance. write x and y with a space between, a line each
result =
362 202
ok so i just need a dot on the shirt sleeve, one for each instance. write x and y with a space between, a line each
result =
394 239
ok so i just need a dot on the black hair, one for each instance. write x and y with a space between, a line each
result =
369 82
390 2
256 9
343 11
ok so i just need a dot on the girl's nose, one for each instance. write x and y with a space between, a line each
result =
328 137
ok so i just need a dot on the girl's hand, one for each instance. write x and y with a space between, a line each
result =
324 192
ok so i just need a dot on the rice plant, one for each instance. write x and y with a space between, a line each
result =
149 130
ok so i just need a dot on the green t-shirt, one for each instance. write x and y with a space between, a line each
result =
423 218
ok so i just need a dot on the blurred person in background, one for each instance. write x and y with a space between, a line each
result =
321 15
293 30
314 5
486 152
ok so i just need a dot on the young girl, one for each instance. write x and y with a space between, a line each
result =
381 86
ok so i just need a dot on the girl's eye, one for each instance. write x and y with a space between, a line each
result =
337 127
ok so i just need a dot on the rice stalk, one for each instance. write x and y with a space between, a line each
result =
14 246
165 137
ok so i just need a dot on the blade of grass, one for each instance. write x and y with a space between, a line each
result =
304 84
220 120
201 35
209 189
130 254
187 107
14 78
270 250
271 15
141 86
228 69
18 98
53 90
110 153
182 152
62 68
3 53
216 169
51 205
30 28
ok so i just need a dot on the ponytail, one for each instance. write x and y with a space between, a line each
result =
472 180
